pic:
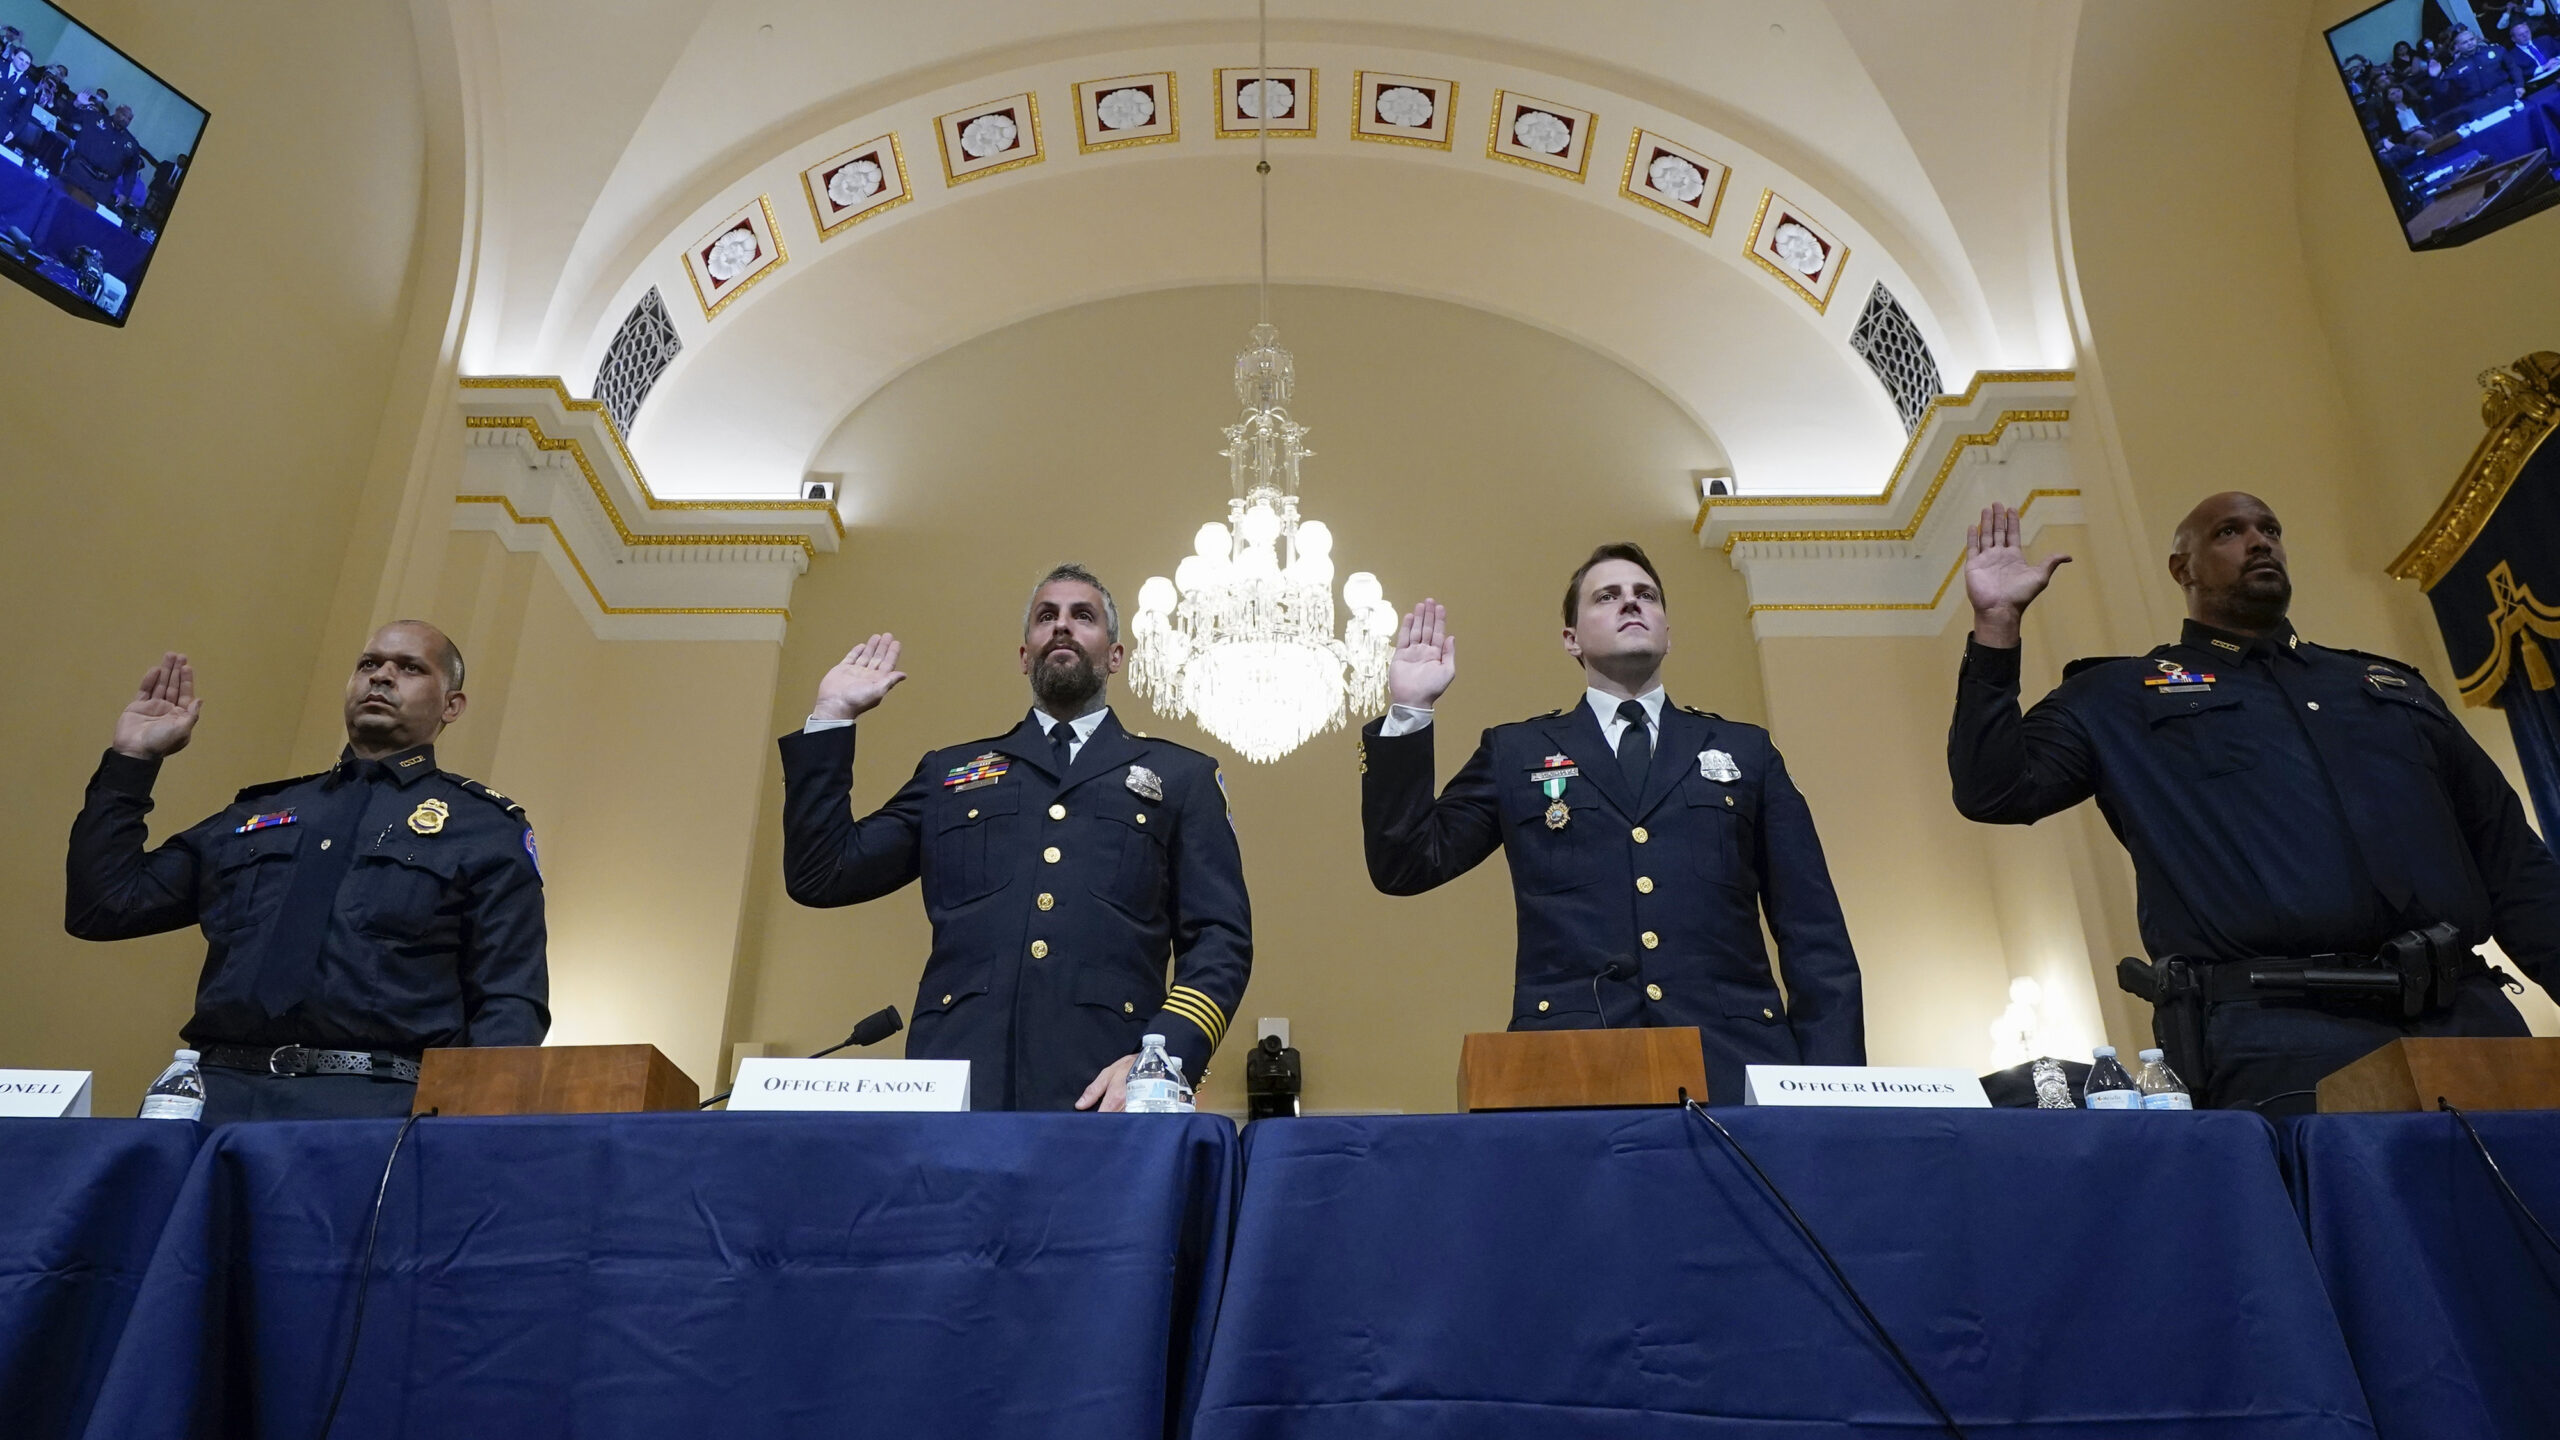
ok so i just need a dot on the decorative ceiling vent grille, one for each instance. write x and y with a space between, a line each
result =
1900 358
640 353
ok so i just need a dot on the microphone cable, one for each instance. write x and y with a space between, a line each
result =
2499 1174
364 1275
1946 1421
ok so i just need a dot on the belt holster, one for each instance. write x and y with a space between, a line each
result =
2176 992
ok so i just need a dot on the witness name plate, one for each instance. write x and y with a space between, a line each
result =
45 1094
771 1083
1901 1087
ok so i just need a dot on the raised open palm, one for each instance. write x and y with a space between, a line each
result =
1998 577
867 672
1425 660
162 718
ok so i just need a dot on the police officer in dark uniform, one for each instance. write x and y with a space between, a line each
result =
1645 840
2317 843
356 917
1063 862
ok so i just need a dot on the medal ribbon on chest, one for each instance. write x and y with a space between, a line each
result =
1550 775
986 769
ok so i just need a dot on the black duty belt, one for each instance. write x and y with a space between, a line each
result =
303 1060
2412 974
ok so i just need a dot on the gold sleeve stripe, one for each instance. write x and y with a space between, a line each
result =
1212 1005
1183 1003
1174 1007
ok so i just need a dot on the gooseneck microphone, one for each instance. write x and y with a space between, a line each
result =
873 1028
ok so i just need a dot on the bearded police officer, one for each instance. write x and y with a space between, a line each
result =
2317 843
1062 862
355 918
1645 841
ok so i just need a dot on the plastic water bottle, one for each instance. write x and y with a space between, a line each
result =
2160 1086
2109 1088
1155 1083
179 1092
1182 1094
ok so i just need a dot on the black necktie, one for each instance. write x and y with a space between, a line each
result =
1062 739
1635 746
289 971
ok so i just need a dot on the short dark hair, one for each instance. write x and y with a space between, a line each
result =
1073 571
1626 550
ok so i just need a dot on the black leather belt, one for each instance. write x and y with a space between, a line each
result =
302 1060
2344 978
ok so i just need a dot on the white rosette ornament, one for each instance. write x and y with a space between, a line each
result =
988 135
732 255
1125 109
1250 97
854 183
1542 132
1676 178
1403 105
1797 246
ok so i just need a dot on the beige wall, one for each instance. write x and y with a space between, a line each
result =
188 481
1459 455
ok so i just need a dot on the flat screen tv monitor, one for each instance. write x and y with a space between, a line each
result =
93 151
2458 105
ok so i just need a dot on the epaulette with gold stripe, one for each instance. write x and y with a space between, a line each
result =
474 787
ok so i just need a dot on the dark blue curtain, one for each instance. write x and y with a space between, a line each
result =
2534 716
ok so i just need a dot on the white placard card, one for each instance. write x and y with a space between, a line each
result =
1908 1087
45 1094
771 1083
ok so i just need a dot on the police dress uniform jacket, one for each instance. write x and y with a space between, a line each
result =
420 927
1056 900
1640 909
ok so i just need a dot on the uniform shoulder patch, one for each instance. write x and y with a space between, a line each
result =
470 786
2090 662
269 788
2369 655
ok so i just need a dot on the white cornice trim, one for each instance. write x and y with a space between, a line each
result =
548 473
1887 565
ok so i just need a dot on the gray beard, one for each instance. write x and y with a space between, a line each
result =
1066 689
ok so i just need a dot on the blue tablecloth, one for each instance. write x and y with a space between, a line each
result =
1618 1273
2449 1300
81 1206
623 1277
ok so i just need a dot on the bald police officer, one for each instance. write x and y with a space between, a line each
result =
354 918
1063 863
2317 843
1645 840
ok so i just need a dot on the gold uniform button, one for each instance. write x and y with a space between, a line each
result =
1640 836
1768 1014
324 844
1644 884
1653 992
1057 812
1047 899
1728 800
973 814
1651 940
1142 819
1126 1008
2314 704
1050 854
1542 1007
946 999
1039 949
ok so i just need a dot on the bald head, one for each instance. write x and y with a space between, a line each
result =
406 688
2228 555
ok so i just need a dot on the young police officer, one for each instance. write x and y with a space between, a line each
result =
1061 861
2317 843
1644 838
355 917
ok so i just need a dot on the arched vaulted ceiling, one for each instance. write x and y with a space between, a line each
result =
609 142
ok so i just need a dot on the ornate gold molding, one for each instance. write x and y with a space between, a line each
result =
2521 406
1941 593
1910 447
613 432
1955 452
597 595
612 512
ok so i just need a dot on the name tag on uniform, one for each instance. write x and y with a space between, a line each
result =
1892 1087
770 1083
45 1094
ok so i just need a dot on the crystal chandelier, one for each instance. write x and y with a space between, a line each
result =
1242 637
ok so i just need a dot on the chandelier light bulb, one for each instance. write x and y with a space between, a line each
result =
1362 592
1314 540
1156 597
1260 526
1211 542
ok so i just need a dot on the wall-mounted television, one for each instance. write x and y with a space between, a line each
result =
2459 107
93 151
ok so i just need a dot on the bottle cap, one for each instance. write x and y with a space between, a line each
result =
2107 1052
1154 1041
189 1055
2149 1055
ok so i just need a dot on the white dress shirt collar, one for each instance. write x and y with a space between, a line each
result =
1605 705
1085 724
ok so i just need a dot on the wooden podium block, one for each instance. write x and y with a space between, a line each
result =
551 1080
2474 1073
1567 1069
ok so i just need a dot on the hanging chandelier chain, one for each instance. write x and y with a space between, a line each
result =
1262 146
